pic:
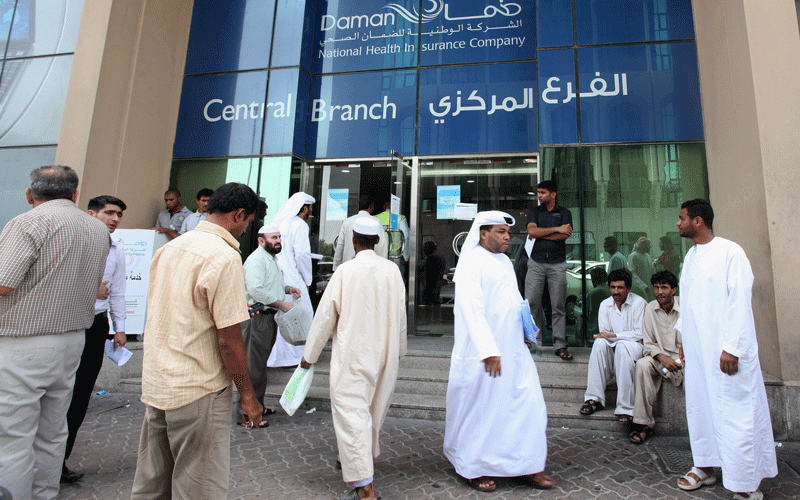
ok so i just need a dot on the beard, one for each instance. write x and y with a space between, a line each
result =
273 249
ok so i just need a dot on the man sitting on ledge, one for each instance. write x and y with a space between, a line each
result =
616 348
661 359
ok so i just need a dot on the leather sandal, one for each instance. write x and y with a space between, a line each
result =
591 406
642 434
564 354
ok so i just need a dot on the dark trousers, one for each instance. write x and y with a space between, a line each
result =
86 376
258 334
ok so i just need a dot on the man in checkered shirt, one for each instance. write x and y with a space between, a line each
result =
52 260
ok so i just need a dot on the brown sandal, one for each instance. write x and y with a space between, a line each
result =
483 483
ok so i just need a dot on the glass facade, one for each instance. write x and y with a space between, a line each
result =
484 97
37 40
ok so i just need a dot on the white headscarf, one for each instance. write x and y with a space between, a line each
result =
473 239
291 208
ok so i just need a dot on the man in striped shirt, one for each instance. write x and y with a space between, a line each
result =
52 260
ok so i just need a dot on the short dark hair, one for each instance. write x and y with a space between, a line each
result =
620 275
174 191
663 277
667 242
429 247
304 206
233 196
487 227
611 239
365 201
365 240
699 207
203 192
599 276
53 182
549 185
98 202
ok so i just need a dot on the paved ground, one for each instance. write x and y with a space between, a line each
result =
294 459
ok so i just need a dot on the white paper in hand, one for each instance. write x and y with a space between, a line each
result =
120 356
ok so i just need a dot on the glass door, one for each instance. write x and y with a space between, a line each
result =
451 192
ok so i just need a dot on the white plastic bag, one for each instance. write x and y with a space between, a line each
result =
297 389
295 324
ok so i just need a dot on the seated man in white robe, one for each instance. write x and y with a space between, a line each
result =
496 419
726 403
616 348
363 311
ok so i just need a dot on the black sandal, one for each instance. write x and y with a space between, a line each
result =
624 419
564 354
642 434
591 406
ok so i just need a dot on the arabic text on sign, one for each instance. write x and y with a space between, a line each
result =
598 85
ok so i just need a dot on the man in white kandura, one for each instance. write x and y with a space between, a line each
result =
364 310
295 262
495 422
726 403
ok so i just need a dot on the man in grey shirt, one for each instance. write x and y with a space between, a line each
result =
52 260
171 219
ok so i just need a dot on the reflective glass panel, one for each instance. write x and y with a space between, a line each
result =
15 168
555 23
621 21
229 36
294 34
42 27
33 93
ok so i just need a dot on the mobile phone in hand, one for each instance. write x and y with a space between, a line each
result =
258 306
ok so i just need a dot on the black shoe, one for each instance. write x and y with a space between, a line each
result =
67 476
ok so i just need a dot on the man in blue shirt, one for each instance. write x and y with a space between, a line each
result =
550 225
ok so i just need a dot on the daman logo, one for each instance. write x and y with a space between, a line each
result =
384 19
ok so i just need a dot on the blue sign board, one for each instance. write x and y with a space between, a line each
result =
638 93
223 115
558 119
478 31
362 114
478 109
354 35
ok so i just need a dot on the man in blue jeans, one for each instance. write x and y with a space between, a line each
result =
550 225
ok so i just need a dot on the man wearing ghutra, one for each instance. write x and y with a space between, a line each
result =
496 421
295 262
363 310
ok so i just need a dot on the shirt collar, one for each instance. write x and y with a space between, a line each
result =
365 252
675 305
210 227
60 202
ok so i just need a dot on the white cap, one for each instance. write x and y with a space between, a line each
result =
269 229
367 226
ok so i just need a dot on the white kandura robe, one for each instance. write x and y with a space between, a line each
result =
364 310
495 426
728 416
295 262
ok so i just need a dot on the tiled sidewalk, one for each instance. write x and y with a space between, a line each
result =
294 458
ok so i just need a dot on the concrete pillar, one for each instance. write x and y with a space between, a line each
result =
748 52
122 102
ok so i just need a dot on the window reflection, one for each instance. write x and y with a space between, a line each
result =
630 198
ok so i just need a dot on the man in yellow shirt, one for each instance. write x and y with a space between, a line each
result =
192 349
